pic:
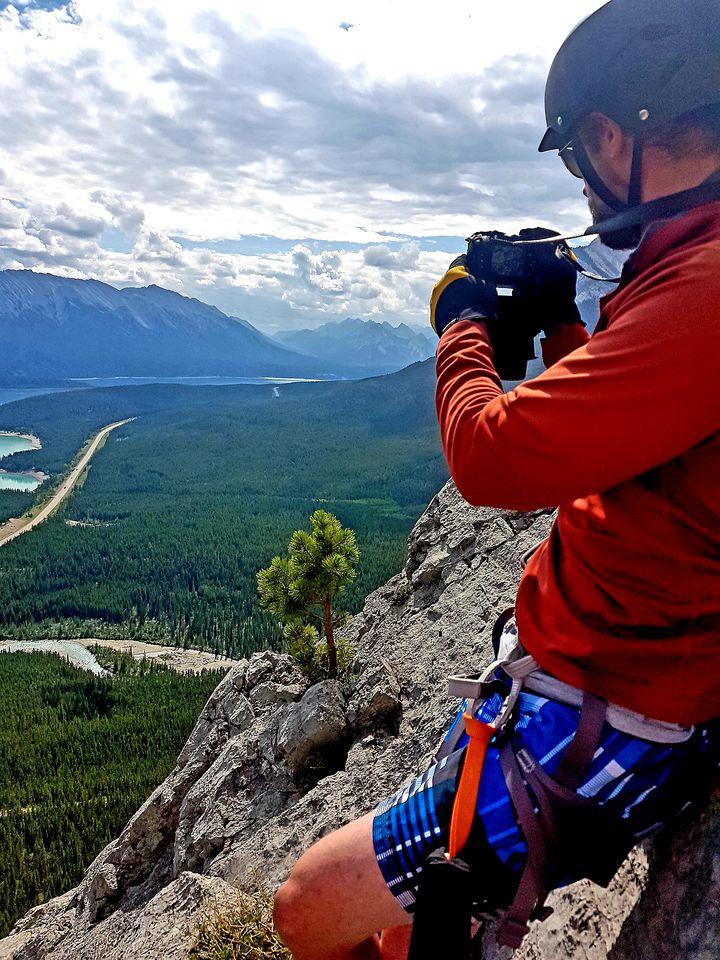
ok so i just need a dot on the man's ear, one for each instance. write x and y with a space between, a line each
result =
607 137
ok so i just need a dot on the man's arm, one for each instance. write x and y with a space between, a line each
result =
635 396
562 340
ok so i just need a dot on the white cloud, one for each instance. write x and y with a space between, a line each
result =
126 217
406 258
132 122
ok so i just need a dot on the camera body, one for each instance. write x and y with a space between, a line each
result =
498 259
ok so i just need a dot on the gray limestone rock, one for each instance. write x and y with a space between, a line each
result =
244 788
316 723
163 926
276 667
240 804
227 713
269 694
375 699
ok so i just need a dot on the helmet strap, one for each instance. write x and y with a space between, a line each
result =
593 179
635 185
662 208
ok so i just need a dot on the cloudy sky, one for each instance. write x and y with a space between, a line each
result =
266 159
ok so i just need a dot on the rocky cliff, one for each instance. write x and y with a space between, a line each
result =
273 764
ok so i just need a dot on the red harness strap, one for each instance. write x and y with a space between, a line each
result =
537 828
466 796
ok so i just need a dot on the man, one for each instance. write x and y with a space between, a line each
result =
623 432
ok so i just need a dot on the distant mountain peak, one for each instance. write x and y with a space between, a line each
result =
361 346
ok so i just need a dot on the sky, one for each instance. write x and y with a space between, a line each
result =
291 163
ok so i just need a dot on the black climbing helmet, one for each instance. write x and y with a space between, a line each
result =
640 62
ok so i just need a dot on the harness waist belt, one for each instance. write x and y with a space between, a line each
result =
627 721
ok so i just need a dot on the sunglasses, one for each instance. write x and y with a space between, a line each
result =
567 155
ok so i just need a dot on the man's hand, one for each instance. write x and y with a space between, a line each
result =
458 292
550 300
550 297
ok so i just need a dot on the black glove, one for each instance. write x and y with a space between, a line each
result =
549 298
458 291
512 338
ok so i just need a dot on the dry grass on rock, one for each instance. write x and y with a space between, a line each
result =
242 930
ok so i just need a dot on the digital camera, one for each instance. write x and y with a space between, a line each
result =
498 259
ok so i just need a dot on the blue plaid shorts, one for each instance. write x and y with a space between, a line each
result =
645 784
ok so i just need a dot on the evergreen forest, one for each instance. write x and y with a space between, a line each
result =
78 755
161 540
179 510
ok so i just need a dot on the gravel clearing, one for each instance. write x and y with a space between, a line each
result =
77 653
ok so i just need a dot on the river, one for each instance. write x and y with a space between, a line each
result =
69 650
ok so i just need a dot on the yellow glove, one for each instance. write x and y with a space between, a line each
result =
457 292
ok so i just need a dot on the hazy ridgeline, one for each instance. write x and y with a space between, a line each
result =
185 504
78 755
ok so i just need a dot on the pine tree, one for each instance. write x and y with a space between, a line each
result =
303 586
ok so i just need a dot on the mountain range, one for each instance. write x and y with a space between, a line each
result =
55 328
360 348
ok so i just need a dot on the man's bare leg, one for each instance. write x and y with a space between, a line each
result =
335 900
395 943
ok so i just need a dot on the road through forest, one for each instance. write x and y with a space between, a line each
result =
14 528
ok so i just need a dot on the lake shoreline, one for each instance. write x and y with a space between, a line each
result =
24 481
35 474
35 441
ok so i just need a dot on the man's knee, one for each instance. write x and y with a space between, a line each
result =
290 910
335 896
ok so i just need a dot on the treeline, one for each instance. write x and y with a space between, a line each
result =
167 583
78 755
183 506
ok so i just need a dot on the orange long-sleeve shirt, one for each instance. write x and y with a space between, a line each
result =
623 433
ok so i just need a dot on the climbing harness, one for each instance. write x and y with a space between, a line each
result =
551 815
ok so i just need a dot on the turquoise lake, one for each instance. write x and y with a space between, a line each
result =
16 481
19 481
10 445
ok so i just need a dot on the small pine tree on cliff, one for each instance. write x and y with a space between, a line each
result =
302 587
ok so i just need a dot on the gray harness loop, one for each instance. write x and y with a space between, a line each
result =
627 721
519 665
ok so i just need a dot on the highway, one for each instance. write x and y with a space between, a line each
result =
12 529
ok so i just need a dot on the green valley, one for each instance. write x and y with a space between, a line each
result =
181 507
161 539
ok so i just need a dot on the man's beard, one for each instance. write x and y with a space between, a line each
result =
625 239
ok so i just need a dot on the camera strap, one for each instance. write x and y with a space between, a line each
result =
569 254
662 208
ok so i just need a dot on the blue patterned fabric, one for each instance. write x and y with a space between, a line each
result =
632 778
